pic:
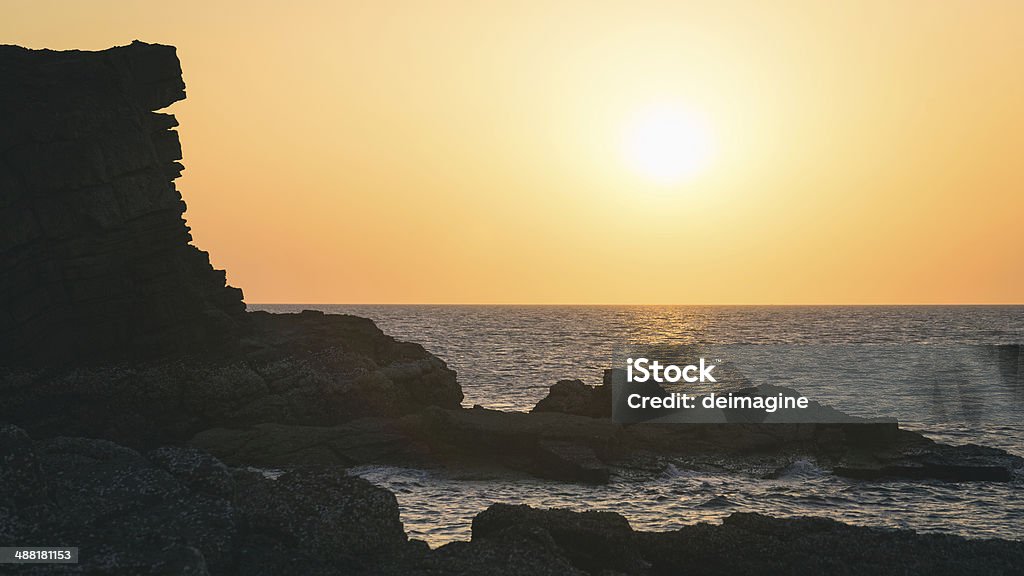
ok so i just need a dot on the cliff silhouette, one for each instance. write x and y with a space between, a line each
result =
96 258
112 323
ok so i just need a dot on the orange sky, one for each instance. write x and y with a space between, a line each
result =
471 152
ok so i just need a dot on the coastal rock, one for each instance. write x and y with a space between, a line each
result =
588 450
315 521
180 511
21 479
112 324
514 551
592 541
575 397
308 369
547 445
364 441
967 463
745 543
95 258
197 470
570 461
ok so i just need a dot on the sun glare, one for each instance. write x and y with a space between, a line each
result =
667 144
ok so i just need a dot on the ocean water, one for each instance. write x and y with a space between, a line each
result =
935 368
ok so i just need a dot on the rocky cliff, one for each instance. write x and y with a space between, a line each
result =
112 324
95 257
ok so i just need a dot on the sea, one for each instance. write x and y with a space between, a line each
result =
953 373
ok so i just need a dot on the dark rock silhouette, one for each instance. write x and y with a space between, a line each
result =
112 323
583 449
748 543
745 543
310 369
182 511
575 397
592 541
95 258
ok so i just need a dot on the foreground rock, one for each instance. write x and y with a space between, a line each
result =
180 511
751 543
522 540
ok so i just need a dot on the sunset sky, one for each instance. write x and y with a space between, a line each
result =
591 152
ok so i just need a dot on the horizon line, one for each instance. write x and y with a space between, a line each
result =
610 304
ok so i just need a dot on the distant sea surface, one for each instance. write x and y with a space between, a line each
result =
957 391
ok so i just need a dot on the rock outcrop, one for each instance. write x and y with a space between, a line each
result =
95 258
181 511
575 397
309 369
112 324
590 450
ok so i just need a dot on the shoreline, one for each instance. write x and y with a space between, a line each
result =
430 513
325 521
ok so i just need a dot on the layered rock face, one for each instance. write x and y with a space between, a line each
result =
112 324
95 257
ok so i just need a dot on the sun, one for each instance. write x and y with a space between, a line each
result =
667 144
